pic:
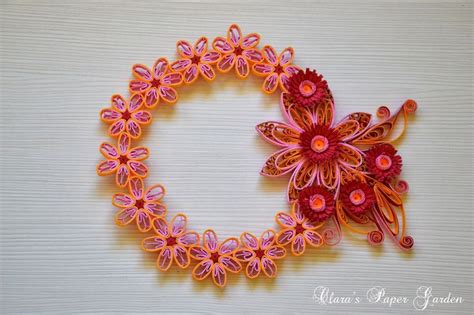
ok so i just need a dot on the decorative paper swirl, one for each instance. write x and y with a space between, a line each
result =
375 237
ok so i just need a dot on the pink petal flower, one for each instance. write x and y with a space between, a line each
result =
153 243
108 151
122 176
221 45
156 209
178 225
250 40
200 46
124 143
138 86
276 252
136 187
228 246
173 78
298 245
143 221
244 255
234 34
117 127
125 216
165 258
263 68
203 269
207 72
181 64
313 238
226 63
230 264
184 49
249 240
242 67
118 103
271 83
160 67
109 115
199 253
269 267
107 167
285 236
133 129
267 239
254 55
138 153
253 268
270 55
142 72
122 200
168 94
286 56
210 240
155 193
160 227
181 256
136 101
142 117
219 275
191 74
211 57
188 239
138 168
152 98
285 220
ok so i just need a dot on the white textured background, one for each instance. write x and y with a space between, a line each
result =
60 62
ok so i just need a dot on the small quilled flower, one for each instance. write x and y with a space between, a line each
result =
156 84
316 203
260 254
357 197
123 160
215 258
277 70
297 230
382 161
172 241
141 205
195 60
307 88
237 51
126 116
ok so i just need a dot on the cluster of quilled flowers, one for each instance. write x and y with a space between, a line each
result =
340 174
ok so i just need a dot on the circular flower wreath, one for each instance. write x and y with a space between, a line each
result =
342 173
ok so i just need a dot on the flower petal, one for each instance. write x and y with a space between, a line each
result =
153 243
226 63
184 49
136 187
300 117
253 268
168 94
191 74
210 240
286 56
285 236
199 252
125 216
313 238
325 113
269 267
270 54
219 276
156 209
165 258
122 176
267 239
160 67
230 263
249 240
173 78
122 200
107 167
271 83
298 245
263 69
242 67
118 103
251 40
181 256
133 129
284 79
143 221
142 72
290 70
285 220
349 155
188 239
152 98
160 227
181 64
108 151
210 57
270 169
276 252
109 115
138 86
124 143
244 255
138 153
305 174
228 246
142 117
178 225
221 45
200 46
138 168
253 55
155 193
207 72
289 159
347 129
117 128
202 270
234 34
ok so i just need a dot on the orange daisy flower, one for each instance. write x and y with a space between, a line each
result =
297 230
172 241
237 51
259 254
277 70
126 116
215 258
123 161
141 205
157 84
195 60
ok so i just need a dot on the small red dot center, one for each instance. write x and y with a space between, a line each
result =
170 241
123 159
215 257
139 203
278 69
299 228
126 115
259 253
155 83
238 51
196 60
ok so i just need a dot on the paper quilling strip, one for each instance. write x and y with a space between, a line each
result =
340 173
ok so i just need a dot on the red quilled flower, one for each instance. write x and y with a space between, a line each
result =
308 88
316 203
357 197
382 161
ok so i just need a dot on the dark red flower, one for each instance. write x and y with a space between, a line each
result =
319 143
357 197
382 161
307 88
316 203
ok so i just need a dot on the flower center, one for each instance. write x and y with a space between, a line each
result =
123 159
139 203
319 144
155 83
238 51
126 115
215 257
299 228
357 197
196 59
278 69
259 253
317 203
307 88
170 241
383 162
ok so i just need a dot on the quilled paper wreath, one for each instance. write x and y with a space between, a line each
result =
341 173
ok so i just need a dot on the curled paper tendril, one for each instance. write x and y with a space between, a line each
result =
342 174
